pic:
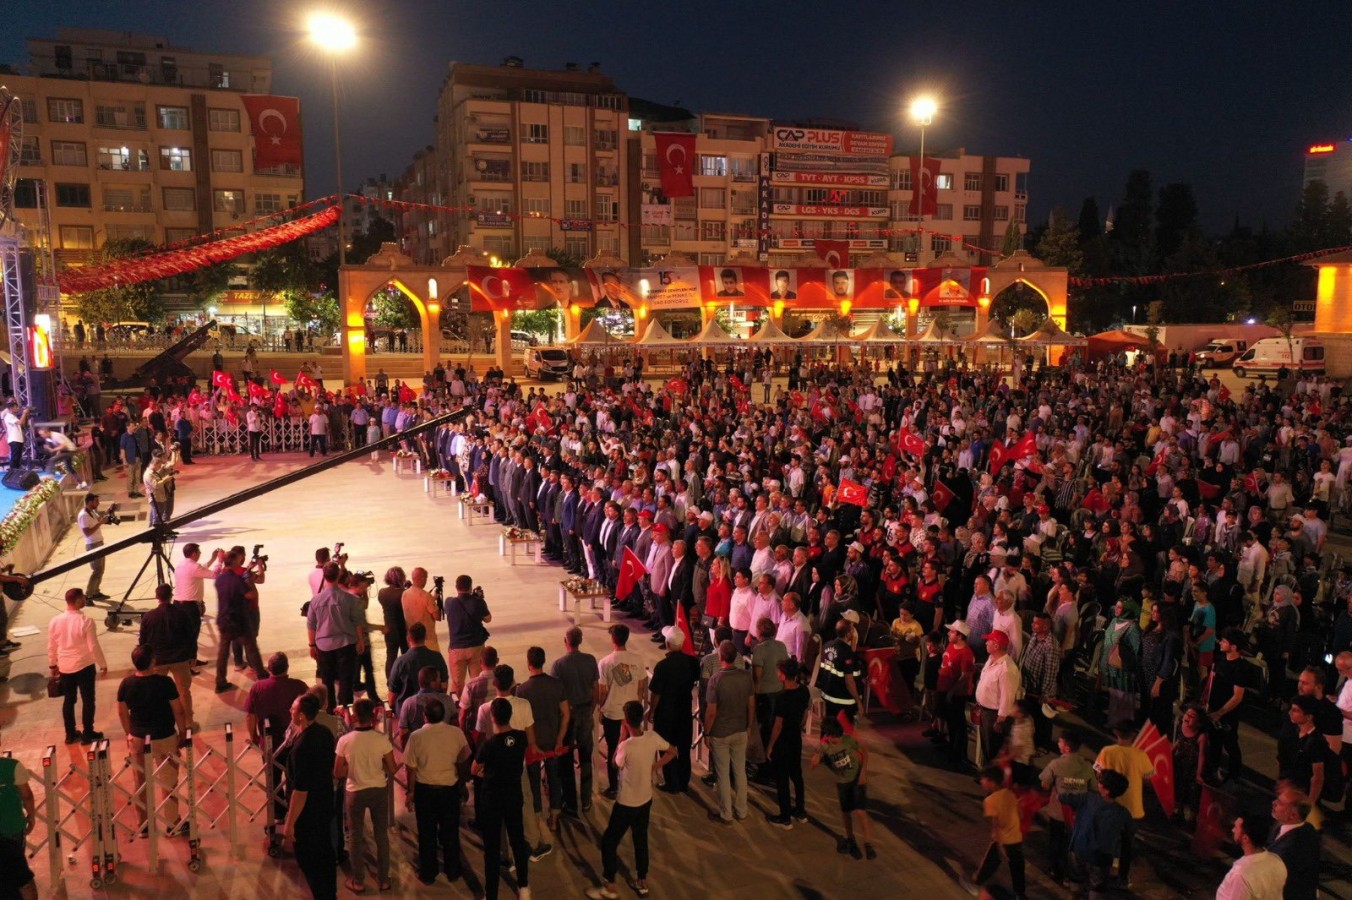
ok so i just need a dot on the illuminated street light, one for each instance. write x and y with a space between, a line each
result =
335 35
923 109
331 33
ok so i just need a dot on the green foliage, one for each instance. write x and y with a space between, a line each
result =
142 302
1060 244
1013 239
394 310
1026 320
206 285
319 310
543 322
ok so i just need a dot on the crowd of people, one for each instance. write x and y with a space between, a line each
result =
1106 544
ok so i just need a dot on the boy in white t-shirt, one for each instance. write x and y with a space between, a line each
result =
623 679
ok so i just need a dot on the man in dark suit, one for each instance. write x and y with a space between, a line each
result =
495 474
528 487
547 508
800 582
591 534
1296 841
607 539
681 588
569 524
508 481
629 536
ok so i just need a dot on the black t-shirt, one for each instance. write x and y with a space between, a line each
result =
167 629
390 599
1228 674
149 700
465 616
674 677
792 708
503 756
309 768
839 659
232 602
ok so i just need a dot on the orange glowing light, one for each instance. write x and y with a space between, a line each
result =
1321 148
913 305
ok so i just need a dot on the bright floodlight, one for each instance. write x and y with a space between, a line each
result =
331 32
923 109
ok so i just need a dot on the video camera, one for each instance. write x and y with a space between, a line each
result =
439 590
111 517
258 557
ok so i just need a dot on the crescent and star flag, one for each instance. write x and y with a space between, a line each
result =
999 453
683 623
494 290
797 398
737 383
631 570
836 254
853 493
912 443
879 661
1208 491
305 382
1215 812
676 163
233 395
277 378
257 392
923 187
1161 753
221 380
678 385
942 496
1026 446
275 124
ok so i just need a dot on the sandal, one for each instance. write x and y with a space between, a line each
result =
354 887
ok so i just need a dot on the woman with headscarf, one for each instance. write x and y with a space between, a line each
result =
1120 662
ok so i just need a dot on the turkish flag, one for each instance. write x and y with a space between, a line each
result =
942 495
1215 812
836 254
233 395
678 385
275 124
676 164
797 398
912 443
737 384
277 378
1208 491
683 623
743 406
853 493
924 187
305 383
631 570
257 392
1025 446
880 678
999 453
1161 753
221 380
501 289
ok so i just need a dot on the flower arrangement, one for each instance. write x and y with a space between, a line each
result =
439 474
405 454
513 533
18 519
579 585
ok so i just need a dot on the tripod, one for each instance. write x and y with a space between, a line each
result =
161 543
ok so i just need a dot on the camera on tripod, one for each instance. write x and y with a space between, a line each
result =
111 517
439 591
258 557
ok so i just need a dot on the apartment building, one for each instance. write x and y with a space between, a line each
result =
128 136
1331 163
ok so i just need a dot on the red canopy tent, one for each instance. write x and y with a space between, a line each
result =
1108 343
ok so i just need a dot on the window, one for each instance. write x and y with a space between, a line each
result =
217 77
607 176
126 198
607 209
176 159
901 179
713 198
742 169
577 246
1312 354
635 124
534 171
178 235
608 243
77 237
941 243
169 69
69 153
228 201
536 206
656 234
943 181
130 232
30 111
971 181
683 207
30 151
180 199
26 193
713 165
575 209
685 231
64 57
713 231
267 203
574 135
606 139
1021 184
64 110
494 203
131 115
711 259
223 119
943 212
577 173
1020 212
743 203
173 118
537 134
1001 214
971 213
499 245
1001 183
132 62
73 195
227 161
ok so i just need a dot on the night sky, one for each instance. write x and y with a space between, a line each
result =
1224 95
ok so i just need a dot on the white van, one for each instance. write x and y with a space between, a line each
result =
1268 356
1221 352
547 362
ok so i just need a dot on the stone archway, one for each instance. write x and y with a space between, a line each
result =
1051 282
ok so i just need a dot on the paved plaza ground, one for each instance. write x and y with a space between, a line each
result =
927 821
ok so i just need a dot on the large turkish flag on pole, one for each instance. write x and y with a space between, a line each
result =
676 164
275 124
924 187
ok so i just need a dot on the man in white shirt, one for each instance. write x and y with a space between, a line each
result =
73 652
319 431
997 692
639 755
365 758
794 630
763 560
253 423
433 756
189 586
1258 874
15 423
91 523
1008 621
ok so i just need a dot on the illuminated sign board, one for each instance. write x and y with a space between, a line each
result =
1321 148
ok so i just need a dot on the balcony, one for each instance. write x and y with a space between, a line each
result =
745 177
114 125
290 170
607 179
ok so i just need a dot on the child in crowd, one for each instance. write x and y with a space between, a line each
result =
848 762
1001 810
1096 839
1019 750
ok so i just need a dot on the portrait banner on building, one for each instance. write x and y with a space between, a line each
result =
564 286
613 289
669 288
738 285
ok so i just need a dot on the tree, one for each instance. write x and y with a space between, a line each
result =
394 310
564 258
285 270
1311 225
1013 239
1132 237
1090 222
1026 320
142 302
1060 244
544 322
319 310
207 284
1175 218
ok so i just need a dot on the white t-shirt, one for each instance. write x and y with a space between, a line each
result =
1345 704
13 433
86 519
522 716
364 751
635 759
621 671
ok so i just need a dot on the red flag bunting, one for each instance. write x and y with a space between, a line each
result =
275 124
676 164
631 570
853 493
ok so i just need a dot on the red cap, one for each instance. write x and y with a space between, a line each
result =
659 528
645 514
1043 510
999 637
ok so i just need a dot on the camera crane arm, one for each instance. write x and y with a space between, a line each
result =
160 532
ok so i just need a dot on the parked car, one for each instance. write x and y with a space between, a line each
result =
1221 352
523 339
547 362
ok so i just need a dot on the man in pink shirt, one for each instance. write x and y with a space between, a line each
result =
74 653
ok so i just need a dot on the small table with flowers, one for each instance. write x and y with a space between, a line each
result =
404 461
471 509
439 480
574 591
519 537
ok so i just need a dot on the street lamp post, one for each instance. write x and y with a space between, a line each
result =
334 35
922 112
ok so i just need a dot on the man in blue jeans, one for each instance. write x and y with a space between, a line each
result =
728 720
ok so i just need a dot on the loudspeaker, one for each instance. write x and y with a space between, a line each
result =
20 479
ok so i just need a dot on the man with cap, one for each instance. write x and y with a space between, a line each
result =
953 687
997 693
1231 677
674 677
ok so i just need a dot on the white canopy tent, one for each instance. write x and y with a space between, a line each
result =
877 333
713 335
770 333
826 332
594 333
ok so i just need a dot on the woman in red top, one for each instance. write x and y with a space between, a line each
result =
929 611
718 597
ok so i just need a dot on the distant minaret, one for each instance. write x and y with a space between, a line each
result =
1108 222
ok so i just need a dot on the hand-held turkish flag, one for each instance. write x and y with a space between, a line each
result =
683 623
305 383
836 254
924 187
1161 753
942 495
880 678
221 380
493 290
257 392
676 164
999 454
737 383
1215 812
1208 491
275 124
277 378
631 570
1026 446
678 385
912 443
853 493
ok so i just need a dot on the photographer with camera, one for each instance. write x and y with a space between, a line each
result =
466 614
337 636
91 523
323 556
237 614
256 573
16 426
159 475
421 606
